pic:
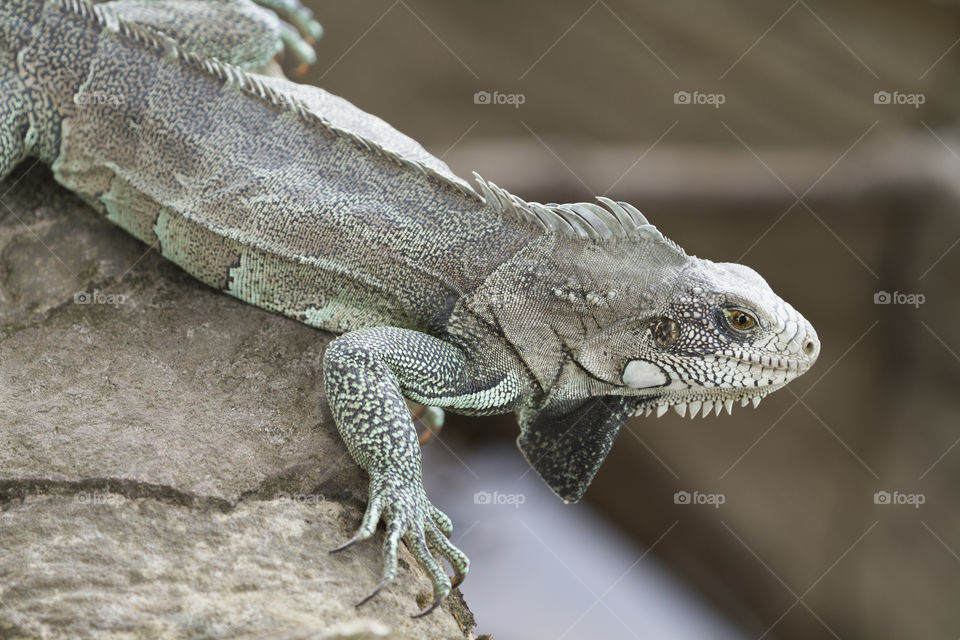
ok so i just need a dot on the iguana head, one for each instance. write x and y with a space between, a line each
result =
691 334
720 335
698 337
618 320
622 310
703 337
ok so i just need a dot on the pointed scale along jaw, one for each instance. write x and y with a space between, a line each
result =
724 338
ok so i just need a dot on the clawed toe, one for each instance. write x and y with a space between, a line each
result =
457 558
375 591
298 48
349 543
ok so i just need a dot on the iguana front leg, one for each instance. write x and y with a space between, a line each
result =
367 374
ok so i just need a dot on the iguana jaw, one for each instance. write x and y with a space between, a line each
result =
765 373
704 401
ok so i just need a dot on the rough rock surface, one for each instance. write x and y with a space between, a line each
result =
168 465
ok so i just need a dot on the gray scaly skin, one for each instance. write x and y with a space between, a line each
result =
576 316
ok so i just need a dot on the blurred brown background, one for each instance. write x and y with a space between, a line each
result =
831 190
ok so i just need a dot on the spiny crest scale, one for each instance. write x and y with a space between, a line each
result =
581 220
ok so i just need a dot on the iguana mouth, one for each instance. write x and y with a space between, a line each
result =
766 362
706 401
703 401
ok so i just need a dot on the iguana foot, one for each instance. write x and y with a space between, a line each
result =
409 515
233 31
299 31
296 14
300 48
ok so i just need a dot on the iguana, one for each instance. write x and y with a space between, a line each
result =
575 316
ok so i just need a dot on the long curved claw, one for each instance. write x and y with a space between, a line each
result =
349 543
433 605
367 527
457 580
390 548
417 542
375 591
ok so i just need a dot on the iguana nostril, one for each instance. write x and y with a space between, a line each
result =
666 332
809 347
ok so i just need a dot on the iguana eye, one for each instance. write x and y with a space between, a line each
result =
739 320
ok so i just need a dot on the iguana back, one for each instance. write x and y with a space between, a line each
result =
248 183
